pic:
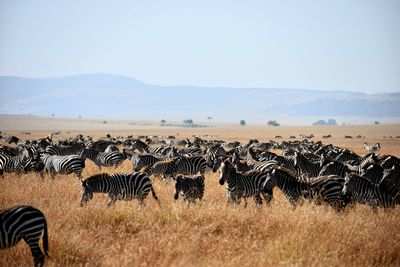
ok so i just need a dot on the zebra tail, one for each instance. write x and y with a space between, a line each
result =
154 194
46 240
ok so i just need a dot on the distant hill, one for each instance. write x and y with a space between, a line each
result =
106 95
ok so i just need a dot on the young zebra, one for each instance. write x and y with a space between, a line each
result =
189 188
118 187
250 184
103 159
63 164
24 222
372 148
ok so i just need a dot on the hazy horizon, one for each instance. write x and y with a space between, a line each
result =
315 45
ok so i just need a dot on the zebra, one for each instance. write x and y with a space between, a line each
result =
374 173
27 223
104 159
361 190
60 150
372 148
142 147
63 164
118 187
17 164
192 165
164 168
190 188
306 167
325 188
140 161
250 184
336 168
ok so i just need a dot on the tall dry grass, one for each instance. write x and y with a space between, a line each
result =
211 233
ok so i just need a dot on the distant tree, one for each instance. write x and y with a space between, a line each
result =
376 122
104 122
209 119
332 122
273 123
320 122
52 114
188 122
242 123
163 122
79 117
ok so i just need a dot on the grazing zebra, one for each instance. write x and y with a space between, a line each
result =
142 147
250 184
189 188
63 164
59 150
192 165
105 159
140 161
27 223
372 148
164 168
17 164
374 173
311 169
361 190
118 187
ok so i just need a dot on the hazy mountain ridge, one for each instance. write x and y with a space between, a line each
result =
119 96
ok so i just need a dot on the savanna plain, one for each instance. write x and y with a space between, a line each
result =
211 232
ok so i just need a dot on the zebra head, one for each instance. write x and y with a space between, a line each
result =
225 171
178 186
348 186
86 193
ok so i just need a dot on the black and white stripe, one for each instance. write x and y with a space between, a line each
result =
60 150
27 223
118 187
250 184
63 164
190 188
103 159
17 164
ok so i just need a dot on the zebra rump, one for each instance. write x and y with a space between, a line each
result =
189 188
28 223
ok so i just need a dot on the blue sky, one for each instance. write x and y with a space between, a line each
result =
330 45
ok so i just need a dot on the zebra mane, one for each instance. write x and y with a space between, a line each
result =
355 176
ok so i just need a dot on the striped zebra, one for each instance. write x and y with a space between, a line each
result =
192 165
359 189
60 150
163 168
250 184
324 188
190 188
336 168
142 147
118 187
373 172
103 159
140 161
306 167
63 165
17 164
372 148
27 223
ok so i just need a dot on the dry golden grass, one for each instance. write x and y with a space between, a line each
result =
208 234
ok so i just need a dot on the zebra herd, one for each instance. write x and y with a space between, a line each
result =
303 171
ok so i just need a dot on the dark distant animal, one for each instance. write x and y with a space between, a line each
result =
27 223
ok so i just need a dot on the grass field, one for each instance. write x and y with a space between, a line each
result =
211 233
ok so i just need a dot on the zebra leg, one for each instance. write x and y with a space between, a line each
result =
33 242
111 200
